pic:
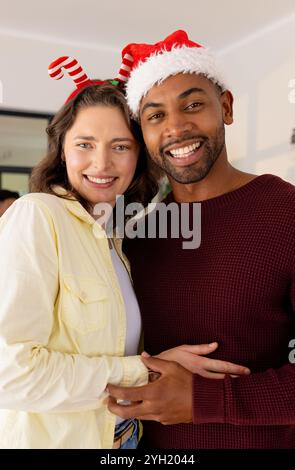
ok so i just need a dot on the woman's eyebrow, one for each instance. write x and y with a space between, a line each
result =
84 137
122 139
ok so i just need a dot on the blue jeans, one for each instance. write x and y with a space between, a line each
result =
132 441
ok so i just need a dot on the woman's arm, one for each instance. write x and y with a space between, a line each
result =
33 377
191 358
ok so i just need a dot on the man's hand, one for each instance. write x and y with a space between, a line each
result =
167 400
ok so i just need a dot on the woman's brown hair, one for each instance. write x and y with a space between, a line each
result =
51 171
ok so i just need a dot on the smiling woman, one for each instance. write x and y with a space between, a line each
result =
95 123
80 329
101 154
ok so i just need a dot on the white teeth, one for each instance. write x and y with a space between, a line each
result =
100 180
185 151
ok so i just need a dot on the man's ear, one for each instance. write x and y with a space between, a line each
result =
227 100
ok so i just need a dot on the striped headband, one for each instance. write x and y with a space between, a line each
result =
76 72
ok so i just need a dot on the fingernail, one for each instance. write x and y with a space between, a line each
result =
145 354
212 344
247 371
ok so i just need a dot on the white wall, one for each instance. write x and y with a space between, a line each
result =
259 70
23 71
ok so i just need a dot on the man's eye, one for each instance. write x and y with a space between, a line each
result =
196 104
155 117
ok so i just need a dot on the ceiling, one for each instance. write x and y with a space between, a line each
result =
113 24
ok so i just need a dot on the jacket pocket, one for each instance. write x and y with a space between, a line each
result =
85 304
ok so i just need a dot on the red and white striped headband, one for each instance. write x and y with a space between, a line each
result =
76 72
126 67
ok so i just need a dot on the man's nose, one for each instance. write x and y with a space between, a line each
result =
177 125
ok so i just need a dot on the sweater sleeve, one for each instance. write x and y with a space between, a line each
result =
32 376
265 398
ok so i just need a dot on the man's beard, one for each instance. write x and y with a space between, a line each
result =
197 171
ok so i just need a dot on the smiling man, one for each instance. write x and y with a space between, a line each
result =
197 103
237 288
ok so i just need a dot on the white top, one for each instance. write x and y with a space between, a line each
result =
133 318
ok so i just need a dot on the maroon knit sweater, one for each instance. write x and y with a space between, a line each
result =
237 288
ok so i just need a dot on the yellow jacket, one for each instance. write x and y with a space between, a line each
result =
62 327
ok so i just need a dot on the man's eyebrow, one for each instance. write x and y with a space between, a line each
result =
188 92
151 105
182 95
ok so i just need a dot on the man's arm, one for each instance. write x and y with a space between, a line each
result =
265 398
178 396
168 400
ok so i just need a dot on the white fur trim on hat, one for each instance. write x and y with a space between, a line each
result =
160 66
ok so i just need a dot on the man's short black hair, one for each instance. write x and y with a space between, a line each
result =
5 194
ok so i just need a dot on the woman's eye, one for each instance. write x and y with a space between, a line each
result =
84 145
122 148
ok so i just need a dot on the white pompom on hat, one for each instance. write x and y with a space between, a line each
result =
145 65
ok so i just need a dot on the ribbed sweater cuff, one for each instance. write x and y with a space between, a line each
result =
208 400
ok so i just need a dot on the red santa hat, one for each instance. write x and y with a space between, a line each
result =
76 72
145 65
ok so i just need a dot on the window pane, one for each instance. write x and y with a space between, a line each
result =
15 182
23 140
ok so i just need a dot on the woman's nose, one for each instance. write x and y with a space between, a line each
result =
102 159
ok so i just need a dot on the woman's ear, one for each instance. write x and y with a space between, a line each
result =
227 100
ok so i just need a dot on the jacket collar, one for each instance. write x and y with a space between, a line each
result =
74 206
76 209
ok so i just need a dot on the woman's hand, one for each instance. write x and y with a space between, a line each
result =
191 358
